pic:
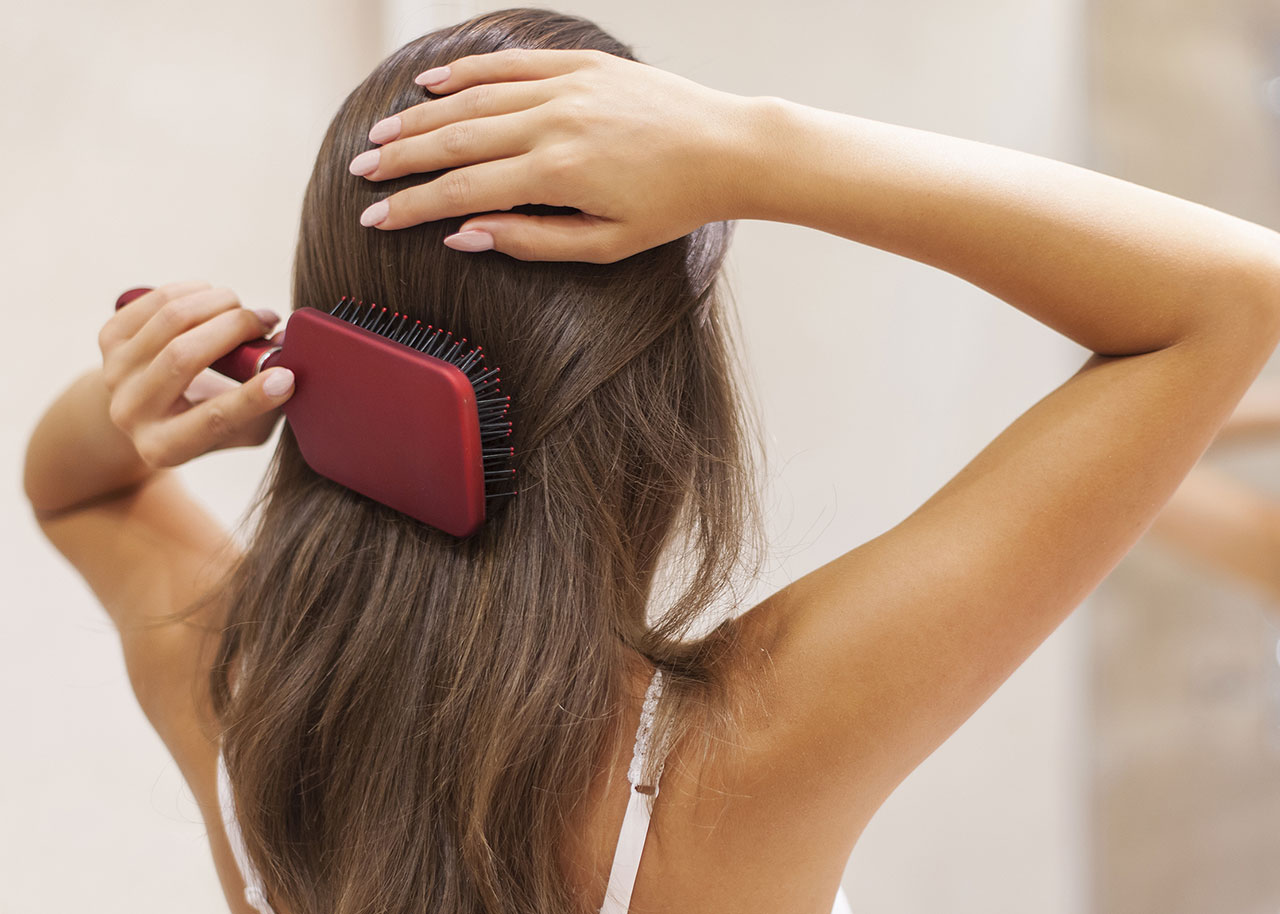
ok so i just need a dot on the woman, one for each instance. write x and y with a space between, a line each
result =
412 722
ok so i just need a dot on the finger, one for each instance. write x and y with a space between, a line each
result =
463 143
185 356
176 317
511 65
474 189
206 386
215 422
167 322
578 236
130 318
479 101
255 432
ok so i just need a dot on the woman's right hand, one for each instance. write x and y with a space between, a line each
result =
644 155
154 352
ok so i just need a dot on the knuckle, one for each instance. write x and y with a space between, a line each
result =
167 292
172 290
176 358
477 100
575 113
250 322
561 164
218 422
455 189
176 315
112 373
106 339
455 139
154 452
119 414
224 295
514 58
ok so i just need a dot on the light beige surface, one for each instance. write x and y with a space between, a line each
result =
144 142
183 135
1186 687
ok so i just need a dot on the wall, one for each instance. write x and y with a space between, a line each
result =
1184 679
145 142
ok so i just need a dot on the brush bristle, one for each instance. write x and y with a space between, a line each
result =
491 404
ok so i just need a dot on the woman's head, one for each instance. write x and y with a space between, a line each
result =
415 717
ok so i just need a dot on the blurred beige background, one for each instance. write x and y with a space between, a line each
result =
152 141
1185 672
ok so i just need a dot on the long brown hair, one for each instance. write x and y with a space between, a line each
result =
415 718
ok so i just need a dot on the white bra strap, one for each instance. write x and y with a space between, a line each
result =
635 822
253 890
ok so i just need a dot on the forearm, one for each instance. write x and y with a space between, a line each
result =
1119 268
76 452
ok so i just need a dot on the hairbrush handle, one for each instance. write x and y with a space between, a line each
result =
240 364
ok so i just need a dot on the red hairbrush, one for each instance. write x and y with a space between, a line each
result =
392 408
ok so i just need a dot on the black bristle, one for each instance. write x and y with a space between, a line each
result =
418 330
402 329
492 406
452 355
439 340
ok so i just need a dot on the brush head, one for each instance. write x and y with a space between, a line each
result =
398 411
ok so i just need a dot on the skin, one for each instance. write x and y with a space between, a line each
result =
1225 524
871 661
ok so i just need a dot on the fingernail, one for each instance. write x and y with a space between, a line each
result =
432 76
385 130
267 316
470 241
278 382
375 214
366 162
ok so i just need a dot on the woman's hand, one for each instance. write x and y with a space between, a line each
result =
644 155
154 352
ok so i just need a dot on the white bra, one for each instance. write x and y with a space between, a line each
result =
626 857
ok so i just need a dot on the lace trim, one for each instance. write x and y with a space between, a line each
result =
644 737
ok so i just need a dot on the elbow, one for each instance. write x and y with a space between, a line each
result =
32 483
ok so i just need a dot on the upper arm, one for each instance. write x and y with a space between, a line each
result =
148 553
874 659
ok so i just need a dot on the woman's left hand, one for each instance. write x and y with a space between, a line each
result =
645 156
154 352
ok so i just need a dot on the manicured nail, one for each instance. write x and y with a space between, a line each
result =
375 214
470 241
432 76
267 316
278 382
385 130
366 162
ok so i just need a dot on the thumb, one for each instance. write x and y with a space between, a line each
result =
579 237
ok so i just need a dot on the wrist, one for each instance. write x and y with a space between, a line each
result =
766 160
